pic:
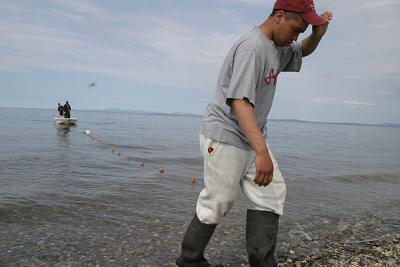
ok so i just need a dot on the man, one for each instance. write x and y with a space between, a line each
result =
67 110
233 134
60 110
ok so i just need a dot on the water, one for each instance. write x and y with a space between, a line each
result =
66 198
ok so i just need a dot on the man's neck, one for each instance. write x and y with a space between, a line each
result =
266 28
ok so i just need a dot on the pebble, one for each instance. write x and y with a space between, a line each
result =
341 244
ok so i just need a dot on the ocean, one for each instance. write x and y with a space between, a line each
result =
123 196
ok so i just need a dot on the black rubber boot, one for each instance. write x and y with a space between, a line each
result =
261 234
194 242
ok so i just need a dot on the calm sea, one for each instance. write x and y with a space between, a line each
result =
65 193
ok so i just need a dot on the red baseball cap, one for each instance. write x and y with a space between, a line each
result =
305 8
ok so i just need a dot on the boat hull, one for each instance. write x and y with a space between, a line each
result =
66 121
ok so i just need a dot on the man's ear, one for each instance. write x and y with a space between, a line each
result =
279 16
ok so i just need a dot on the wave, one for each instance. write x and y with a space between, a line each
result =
367 178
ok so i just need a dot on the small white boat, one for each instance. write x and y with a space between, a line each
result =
66 121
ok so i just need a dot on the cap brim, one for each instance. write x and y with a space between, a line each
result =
312 18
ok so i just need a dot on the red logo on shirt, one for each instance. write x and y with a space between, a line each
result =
210 150
272 76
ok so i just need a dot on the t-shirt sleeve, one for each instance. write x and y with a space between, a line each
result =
244 77
291 58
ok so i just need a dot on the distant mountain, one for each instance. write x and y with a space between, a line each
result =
342 123
118 110
323 122
391 124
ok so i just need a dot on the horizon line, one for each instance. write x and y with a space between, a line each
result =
179 113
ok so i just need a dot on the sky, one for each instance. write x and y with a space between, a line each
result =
164 56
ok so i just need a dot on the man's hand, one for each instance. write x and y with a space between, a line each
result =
309 44
264 168
320 30
247 121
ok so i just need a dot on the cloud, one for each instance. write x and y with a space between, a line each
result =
85 8
384 25
145 49
167 47
358 103
387 4
72 17
327 101
176 42
229 14
264 3
321 101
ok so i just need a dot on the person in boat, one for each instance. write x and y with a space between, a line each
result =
67 110
60 109
233 138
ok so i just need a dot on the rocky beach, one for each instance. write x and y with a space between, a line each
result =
60 240
332 242
367 241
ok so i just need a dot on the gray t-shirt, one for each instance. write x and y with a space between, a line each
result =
250 71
